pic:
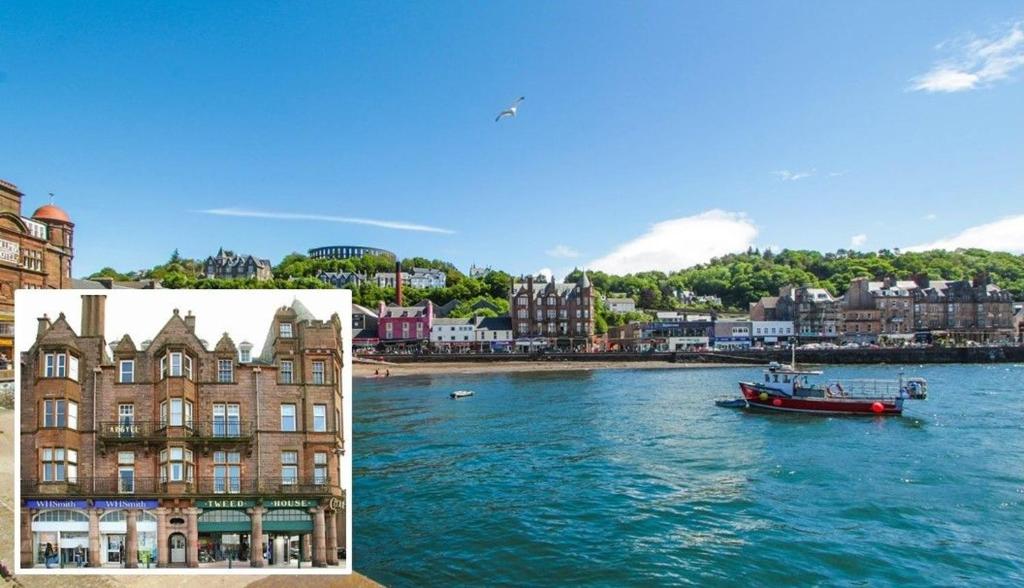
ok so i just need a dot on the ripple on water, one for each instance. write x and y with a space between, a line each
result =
635 477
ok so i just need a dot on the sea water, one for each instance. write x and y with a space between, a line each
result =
635 477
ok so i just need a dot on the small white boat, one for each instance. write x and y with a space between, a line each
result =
461 394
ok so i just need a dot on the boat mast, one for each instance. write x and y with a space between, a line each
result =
792 350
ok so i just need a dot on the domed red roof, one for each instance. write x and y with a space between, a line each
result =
51 212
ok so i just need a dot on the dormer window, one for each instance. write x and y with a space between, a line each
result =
286 330
245 356
127 371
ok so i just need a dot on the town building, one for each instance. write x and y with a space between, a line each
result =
877 310
342 279
732 334
228 265
474 333
552 313
349 251
103 283
404 326
815 313
419 277
620 305
448 334
35 252
477 272
963 310
689 335
690 298
771 333
177 454
364 328
1018 321
680 316
765 309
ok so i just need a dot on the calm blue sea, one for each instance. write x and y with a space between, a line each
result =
635 477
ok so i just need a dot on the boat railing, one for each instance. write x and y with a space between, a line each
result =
862 388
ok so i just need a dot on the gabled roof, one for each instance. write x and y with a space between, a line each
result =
495 323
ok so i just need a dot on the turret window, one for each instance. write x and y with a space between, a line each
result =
318 372
60 413
59 465
286 330
60 365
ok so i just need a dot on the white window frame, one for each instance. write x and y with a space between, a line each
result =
293 416
320 420
126 377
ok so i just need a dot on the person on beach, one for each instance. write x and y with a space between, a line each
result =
387 374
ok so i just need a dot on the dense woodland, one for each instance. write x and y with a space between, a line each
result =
737 279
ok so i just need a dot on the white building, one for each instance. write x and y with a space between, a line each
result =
677 316
771 332
418 278
620 305
480 333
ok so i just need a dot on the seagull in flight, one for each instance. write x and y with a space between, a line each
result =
510 112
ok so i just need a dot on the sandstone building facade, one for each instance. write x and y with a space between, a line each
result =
176 454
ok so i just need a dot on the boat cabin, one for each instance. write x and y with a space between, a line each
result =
787 380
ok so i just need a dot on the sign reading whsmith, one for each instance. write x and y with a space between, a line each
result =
127 503
55 503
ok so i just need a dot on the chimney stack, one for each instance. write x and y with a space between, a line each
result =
398 283
93 314
44 324
190 322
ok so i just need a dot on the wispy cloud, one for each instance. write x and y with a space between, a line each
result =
792 176
858 240
563 251
930 216
976 62
385 224
1006 234
681 242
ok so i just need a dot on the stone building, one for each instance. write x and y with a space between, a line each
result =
348 252
561 314
35 252
969 310
816 315
228 265
874 310
178 454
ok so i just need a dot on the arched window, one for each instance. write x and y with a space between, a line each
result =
114 516
61 516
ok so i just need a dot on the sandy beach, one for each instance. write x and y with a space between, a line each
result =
363 370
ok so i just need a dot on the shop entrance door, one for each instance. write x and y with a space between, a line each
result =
115 548
177 541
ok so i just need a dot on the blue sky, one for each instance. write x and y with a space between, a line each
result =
653 134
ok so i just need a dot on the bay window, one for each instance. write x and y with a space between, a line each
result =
60 413
319 468
176 465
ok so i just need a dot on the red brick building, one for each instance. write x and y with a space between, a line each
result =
560 314
35 252
180 454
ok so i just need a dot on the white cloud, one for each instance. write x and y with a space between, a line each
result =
792 176
563 251
978 62
681 242
930 216
546 272
858 240
387 224
1006 234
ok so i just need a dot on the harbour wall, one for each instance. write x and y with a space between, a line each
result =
743 357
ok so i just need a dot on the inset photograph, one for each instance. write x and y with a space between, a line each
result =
168 430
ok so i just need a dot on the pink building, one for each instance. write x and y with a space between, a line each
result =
404 324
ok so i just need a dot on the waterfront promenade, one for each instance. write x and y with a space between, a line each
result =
839 356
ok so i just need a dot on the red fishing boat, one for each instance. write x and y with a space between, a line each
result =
787 389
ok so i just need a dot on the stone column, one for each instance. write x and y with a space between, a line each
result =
332 537
131 548
27 557
307 547
256 559
94 538
319 539
163 543
192 547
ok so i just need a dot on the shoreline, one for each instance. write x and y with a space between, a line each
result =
362 371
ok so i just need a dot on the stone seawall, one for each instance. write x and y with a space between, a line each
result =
822 356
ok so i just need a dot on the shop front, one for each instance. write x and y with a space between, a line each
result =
60 532
225 529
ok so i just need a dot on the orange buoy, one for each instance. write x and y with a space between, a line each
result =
777 402
877 407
